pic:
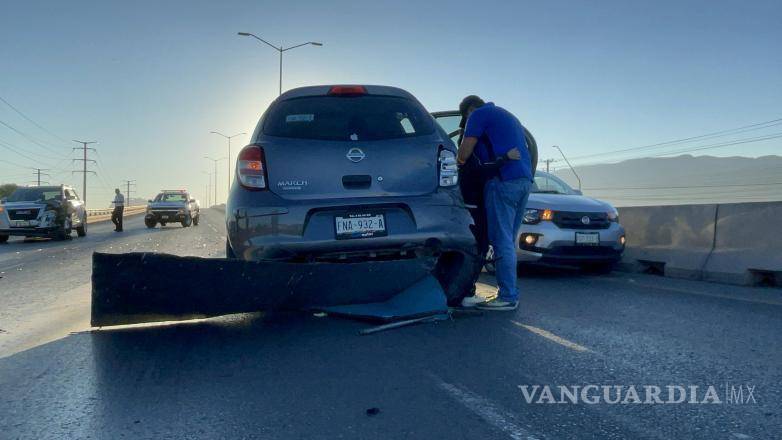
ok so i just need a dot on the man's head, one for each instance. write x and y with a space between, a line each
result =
469 104
116 190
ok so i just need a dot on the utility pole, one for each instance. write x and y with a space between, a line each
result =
38 173
208 188
84 170
128 183
548 161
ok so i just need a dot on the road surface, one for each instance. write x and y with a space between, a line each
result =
302 376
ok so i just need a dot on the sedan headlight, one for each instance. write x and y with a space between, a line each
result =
48 217
613 215
531 216
534 216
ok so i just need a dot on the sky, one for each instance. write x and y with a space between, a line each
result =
148 80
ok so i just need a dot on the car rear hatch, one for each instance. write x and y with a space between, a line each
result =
351 145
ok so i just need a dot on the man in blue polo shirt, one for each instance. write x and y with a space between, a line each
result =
494 133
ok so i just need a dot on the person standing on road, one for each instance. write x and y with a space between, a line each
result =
119 207
493 132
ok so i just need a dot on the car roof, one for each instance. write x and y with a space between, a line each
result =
323 90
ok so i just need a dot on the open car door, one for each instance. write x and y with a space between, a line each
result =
450 122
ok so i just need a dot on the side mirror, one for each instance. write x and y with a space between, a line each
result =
192 200
578 192
150 201
3 200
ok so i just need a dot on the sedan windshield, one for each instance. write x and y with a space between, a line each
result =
547 184
35 194
171 197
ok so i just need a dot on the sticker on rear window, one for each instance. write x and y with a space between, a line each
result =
300 118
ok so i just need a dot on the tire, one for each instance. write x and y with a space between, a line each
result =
150 223
187 221
162 224
457 273
81 230
229 252
196 219
4 238
64 233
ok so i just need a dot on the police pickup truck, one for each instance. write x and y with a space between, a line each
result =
172 206
42 211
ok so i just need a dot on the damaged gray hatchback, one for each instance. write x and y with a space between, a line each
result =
347 174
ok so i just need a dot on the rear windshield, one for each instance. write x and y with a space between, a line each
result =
355 118
35 194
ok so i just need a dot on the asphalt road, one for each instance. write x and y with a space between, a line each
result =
301 376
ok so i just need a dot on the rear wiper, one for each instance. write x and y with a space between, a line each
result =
547 192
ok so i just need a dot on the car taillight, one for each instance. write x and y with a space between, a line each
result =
347 90
251 168
449 174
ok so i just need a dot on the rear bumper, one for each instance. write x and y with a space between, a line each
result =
558 246
291 230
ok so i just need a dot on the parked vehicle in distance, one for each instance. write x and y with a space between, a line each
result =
171 206
42 211
351 173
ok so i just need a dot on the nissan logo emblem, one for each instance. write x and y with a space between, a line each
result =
585 220
355 155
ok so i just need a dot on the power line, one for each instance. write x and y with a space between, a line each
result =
30 138
742 129
30 119
702 147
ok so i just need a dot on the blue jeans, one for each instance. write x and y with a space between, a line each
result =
505 203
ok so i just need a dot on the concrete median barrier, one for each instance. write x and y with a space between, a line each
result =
674 240
734 243
748 245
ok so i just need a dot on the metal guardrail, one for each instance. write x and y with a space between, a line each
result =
108 211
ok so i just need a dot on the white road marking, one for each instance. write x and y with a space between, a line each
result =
552 337
488 411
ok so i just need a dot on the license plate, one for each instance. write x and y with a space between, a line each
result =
588 238
164 217
360 225
22 223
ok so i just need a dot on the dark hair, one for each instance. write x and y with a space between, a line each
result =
470 101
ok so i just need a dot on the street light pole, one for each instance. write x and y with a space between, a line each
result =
229 153
215 163
571 166
280 49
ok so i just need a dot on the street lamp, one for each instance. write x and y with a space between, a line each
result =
215 162
208 188
229 153
279 49
571 166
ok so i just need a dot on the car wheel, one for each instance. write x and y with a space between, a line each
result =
457 273
196 219
187 221
150 223
64 232
162 224
81 230
3 238
229 252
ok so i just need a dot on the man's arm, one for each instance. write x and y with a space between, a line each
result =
466 149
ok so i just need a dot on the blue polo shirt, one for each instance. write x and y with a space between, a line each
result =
504 132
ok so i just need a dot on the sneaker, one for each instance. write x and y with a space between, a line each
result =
474 300
499 304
